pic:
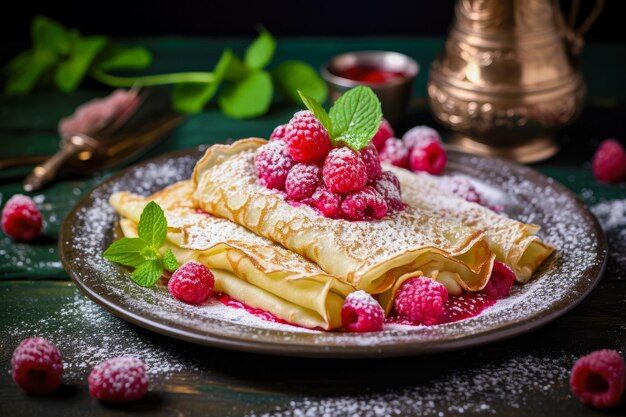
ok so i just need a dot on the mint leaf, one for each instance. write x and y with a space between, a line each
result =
249 97
123 57
152 227
126 251
49 35
148 273
317 110
356 116
26 69
260 51
293 76
169 261
71 72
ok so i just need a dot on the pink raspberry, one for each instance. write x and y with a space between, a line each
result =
192 283
395 153
307 139
420 135
361 313
464 189
429 157
364 204
609 162
388 186
369 154
385 131
279 132
598 378
500 282
119 379
327 202
302 181
273 163
421 300
21 220
37 366
344 170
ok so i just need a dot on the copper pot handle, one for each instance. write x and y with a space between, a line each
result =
575 35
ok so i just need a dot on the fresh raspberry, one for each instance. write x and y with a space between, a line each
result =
37 366
369 154
327 202
420 135
307 139
344 170
388 186
609 162
119 379
463 188
192 283
598 378
364 205
302 181
385 131
273 163
429 157
279 132
395 153
21 220
421 300
361 313
500 282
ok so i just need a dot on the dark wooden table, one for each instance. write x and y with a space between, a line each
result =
524 376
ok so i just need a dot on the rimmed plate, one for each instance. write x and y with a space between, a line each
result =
561 283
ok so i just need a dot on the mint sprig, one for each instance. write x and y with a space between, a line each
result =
353 120
143 252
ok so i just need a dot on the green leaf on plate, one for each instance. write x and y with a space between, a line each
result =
317 109
148 273
49 35
126 251
356 116
124 57
26 69
291 76
70 73
152 227
260 51
249 97
169 261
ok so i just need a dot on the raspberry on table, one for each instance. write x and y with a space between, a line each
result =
421 300
364 204
609 162
420 135
394 152
327 202
428 157
279 132
361 313
385 131
500 282
21 220
306 137
369 154
192 283
273 163
302 181
344 170
37 366
388 186
119 380
598 378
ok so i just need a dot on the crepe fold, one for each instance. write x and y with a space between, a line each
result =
374 256
247 267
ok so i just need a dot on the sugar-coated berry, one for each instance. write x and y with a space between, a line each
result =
420 135
369 154
388 186
119 380
37 366
192 283
279 132
273 163
307 139
327 202
421 300
361 313
21 220
598 378
365 204
344 170
395 153
500 282
385 131
302 181
428 157
609 162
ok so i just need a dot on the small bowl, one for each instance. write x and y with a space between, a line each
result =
393 94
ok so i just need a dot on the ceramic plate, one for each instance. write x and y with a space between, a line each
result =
561 283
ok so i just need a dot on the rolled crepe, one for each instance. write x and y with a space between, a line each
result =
371 255
247 267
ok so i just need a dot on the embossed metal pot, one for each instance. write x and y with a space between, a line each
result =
508 78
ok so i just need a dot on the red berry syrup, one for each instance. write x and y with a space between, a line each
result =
370 74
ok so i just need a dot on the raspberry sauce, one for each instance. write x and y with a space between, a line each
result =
370 74
228 301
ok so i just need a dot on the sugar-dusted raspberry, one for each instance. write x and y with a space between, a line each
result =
279 132
119 379
327 202
344 170
37 366
609 162
428 157
385 131
372 164
364 204
395 153
500 282
388 186
192 283
598 378
21 220
302 181
463 188
273 163
421 300
361 313
420 135
307 139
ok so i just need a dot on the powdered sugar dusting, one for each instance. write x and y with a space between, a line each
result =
612 216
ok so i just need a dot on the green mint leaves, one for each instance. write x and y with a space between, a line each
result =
353 120
143 252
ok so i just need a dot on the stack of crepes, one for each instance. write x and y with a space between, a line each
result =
291 261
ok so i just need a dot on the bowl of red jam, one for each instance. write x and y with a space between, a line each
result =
389 74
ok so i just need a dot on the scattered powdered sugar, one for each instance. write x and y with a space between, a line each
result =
612 217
